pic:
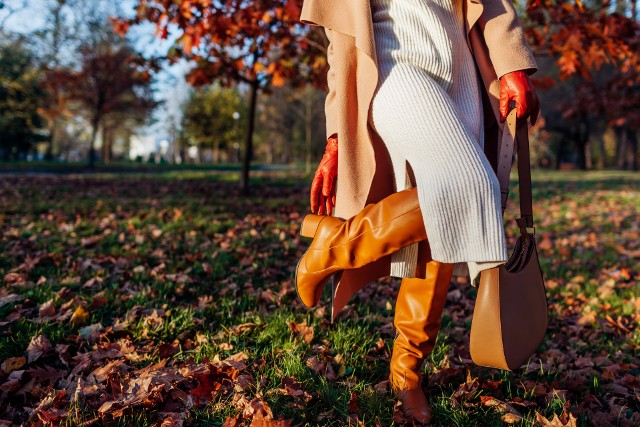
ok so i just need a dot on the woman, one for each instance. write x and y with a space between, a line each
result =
417 123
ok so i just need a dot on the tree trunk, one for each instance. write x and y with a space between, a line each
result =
582 143
52 132
215 157
106 144
288 141
559 152
270 150
127 144
602 158
92 147
200 156
621 147
248 143
308 128
582 155
632 150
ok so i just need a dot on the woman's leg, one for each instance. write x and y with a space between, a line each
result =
458 190
417 320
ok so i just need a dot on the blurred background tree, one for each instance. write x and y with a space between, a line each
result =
589 52
109 84
210 121
54 42
259 44
21 125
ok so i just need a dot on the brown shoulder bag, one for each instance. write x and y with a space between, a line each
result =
510 316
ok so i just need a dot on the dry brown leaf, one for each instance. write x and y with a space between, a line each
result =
258 408
204 301
247 327
13 381
315 364
13 364
465 391
46 374
47 309
225 346
353 403
232 421
382 387
293 388
555 421
511 414
583 362
511 418
37 347
302 330
171 419
101 374
329 373
10 298
263 422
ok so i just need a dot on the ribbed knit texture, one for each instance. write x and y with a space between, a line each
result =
427 108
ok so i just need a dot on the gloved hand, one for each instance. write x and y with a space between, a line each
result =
323 197
516 85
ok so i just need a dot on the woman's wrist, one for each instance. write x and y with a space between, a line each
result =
332 144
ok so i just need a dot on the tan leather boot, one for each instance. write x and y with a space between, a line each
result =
377 230
417 320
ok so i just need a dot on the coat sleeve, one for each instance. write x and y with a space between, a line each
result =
504 36
330 101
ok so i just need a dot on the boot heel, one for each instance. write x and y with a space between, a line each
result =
334 285
310 225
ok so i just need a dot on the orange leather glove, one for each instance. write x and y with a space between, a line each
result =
323 198
516 85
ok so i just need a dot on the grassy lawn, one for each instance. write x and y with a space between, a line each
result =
167 299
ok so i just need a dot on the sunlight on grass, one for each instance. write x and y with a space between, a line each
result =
178 269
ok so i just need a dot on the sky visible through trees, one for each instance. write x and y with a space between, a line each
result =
170 83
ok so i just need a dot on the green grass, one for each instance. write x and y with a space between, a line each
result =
168 265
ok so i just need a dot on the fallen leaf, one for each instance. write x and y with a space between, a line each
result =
13 364
80 315
38 346
555 421
11 298
353 403
511 414
47 309
465 391
302 330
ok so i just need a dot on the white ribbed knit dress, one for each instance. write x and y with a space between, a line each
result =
427 108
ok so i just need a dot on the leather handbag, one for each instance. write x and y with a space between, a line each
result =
510 316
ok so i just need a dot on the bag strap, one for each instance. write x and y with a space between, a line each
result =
510 138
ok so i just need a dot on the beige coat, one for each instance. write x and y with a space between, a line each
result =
365 172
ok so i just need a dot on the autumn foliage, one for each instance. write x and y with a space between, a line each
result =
600 48
230 41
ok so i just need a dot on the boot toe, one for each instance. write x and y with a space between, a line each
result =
304 293
309 285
